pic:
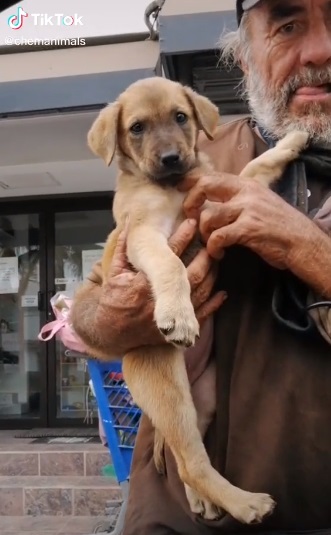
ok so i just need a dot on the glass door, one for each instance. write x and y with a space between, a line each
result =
22 357
78 243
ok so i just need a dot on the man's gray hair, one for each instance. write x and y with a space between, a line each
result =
234 46
269 105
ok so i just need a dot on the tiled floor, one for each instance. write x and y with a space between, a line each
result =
49 525
57 496
53 489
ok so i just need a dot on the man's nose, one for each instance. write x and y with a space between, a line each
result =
316 47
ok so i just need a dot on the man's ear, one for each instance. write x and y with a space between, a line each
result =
102 136
206 112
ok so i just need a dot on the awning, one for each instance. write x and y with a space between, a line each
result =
73 77
194 25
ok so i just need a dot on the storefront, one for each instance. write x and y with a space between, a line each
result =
46 247
55 207
55 197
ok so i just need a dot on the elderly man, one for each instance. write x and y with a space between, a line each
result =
272 428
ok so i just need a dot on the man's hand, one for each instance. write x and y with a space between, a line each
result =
126 303
243 212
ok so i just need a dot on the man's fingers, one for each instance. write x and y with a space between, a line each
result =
210 306
216 215
194 201
199 268
183 236
189 181
217 188
201 294
222 238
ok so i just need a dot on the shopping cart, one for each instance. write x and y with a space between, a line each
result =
120 418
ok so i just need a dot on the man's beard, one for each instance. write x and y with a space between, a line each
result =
270 107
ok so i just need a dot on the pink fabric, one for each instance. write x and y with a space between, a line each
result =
61 326
61 305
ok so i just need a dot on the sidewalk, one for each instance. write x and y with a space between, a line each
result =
48 525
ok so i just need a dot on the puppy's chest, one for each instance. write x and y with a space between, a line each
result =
159 208
164 210
168 227
170 215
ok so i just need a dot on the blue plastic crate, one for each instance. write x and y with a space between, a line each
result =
120 416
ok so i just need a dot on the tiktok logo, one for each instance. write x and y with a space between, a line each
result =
15 22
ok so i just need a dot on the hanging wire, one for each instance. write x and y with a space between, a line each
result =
152 12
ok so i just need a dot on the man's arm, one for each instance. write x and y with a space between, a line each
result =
91 320
117 316
310 260
318 308
245 213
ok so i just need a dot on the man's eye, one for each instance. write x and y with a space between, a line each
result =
288 28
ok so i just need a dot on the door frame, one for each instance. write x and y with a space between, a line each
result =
46 207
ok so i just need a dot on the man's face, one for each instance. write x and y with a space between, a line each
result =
288 71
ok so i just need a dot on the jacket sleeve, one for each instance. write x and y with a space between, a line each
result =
322 314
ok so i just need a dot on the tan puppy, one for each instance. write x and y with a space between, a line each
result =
153 129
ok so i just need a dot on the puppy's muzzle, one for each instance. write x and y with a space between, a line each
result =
171 169
171 161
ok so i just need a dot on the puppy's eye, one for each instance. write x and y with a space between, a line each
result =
181 117
137 128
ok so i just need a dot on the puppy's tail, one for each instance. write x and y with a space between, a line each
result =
158 454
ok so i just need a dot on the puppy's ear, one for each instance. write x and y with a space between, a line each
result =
102 136
206 112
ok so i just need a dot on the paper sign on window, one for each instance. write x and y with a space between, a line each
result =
89 258
9 279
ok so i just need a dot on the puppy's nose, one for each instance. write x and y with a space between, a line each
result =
170 159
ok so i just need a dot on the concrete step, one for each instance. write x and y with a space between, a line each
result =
50 525
53 461
60 496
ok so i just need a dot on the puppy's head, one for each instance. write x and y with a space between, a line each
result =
153 127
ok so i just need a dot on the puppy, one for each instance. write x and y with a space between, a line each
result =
153 129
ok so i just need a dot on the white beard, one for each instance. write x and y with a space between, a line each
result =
269 107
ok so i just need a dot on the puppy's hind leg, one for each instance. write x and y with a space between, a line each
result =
204 398
157 380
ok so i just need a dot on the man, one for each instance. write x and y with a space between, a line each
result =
272 428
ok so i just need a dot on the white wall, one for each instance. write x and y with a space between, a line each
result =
99 18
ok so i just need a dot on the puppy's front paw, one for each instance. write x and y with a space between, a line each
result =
177 323
294 142
251 508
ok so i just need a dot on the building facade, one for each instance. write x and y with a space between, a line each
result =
55 197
